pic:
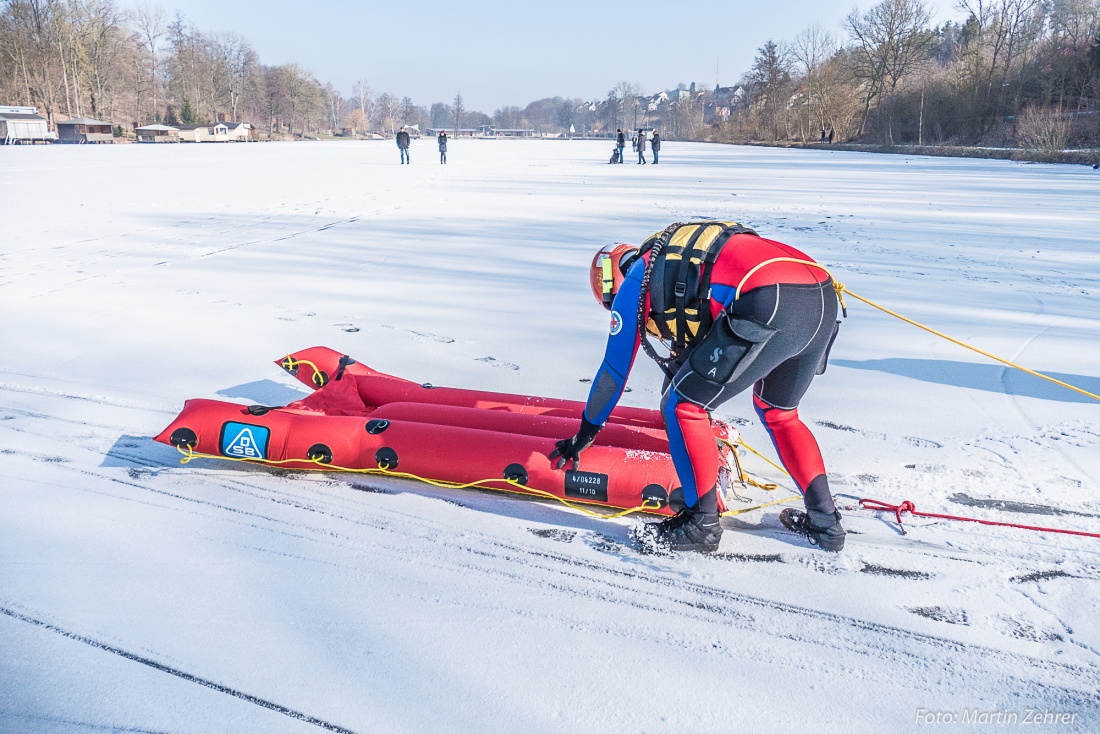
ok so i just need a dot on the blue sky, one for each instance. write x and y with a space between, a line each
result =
499 53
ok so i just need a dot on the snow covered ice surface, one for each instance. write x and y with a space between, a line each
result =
140 595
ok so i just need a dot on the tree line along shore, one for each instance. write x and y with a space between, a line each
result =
1008 78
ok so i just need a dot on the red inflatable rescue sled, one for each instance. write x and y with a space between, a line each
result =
361 419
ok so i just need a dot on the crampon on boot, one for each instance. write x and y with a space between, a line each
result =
821 528
688 530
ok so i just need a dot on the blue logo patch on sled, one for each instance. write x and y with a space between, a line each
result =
243 441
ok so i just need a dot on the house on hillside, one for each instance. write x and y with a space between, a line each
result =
84 130
24 125
723 102
219 132
157 134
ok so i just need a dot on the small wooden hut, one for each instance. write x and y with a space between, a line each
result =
84 130
157 134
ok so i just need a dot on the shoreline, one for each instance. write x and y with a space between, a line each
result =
1085 156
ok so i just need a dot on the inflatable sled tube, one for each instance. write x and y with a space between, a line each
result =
465 436
317 366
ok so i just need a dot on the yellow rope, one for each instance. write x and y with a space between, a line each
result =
765 458
744 477
841 290
930 330
290 364
729 513
646 506
758 266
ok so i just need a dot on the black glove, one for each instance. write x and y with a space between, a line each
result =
569 449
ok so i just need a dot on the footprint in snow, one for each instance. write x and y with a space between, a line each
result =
927 468
350 328
433 337
923 443
497 363
842 427
1026 631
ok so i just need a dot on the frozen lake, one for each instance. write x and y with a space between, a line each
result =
140 595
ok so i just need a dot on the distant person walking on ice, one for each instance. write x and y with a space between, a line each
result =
736 317
403 145
442 139
620 142
655 144
641 146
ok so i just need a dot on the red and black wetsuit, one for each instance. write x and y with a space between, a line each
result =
797 301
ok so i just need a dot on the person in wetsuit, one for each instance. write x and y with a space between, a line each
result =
758 320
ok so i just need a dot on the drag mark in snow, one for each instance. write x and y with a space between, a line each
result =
84 724
783 620
1041 576
943 614
213 685
562 536
876 570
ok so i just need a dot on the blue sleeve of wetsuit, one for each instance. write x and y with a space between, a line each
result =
622 346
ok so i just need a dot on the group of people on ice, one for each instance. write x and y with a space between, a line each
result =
638 144
404 139
736 310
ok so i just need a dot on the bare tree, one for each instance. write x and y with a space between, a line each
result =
364 98
389 109
1000 34
813 47
410 113
150 25
234 69
106 47
29 42
293 99
334 107
440 115
1075 21
812 50
510 117
625 95
458 110
890 40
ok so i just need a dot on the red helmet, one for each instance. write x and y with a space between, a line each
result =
606 273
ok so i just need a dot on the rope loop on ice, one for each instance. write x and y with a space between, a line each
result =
907 506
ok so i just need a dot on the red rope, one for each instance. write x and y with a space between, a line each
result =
907 506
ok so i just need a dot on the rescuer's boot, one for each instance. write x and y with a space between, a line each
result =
691 529
823 529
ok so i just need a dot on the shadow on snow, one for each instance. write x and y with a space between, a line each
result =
988 377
